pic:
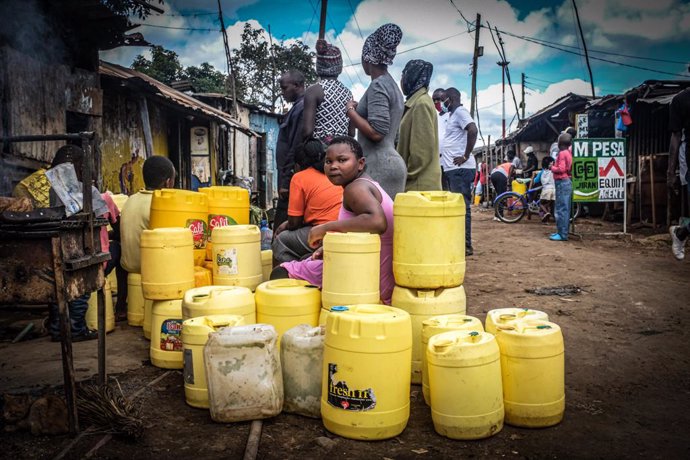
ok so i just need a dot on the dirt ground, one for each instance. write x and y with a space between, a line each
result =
627 373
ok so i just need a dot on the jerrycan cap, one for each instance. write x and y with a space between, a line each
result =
339 308
544 326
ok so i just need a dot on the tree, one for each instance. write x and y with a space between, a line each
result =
164 65
127 7
257 71
205 78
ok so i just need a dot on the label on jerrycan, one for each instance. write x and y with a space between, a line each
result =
170 335
199 232
218 220
342 397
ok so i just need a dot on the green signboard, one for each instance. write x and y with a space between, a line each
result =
599 170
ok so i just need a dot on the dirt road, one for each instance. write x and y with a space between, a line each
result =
627 373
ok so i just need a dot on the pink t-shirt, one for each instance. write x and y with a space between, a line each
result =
562 168
112 215
312 270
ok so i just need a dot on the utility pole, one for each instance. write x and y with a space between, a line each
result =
231 73
475 59
584 45
322 23
522 103
503 65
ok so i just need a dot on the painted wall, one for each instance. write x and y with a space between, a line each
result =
269 127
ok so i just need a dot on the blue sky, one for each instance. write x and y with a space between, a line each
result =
654 30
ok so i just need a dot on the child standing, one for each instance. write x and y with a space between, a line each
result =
562 172
548 189
366 208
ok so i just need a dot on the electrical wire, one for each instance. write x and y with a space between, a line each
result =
469 24
354 16
185 15
527 77
177 28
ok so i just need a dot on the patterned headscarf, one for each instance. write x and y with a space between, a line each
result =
415 75
329 62
380 46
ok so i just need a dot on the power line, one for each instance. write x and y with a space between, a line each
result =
539 79
469 24
354 16
177 28
185 15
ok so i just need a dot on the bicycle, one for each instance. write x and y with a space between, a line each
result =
510 207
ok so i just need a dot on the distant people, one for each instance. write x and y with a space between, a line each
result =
532 163
366 208
503 174
562 174
553 150
418 140
679 157
459 165
289 137
548 189
516 162
441 103
480 178
314 200
378 114
324 102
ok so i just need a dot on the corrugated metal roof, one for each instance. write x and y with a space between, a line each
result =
171 94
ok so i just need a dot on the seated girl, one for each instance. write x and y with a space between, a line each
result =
366 208
314 200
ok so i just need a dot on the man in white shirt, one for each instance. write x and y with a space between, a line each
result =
441 103
459 165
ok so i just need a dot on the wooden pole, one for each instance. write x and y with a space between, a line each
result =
651 183
101 336
253 440
522 103
475 60
322 22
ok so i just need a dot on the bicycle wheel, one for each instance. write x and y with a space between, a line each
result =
510 207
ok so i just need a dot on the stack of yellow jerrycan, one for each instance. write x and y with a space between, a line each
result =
428 259
301 357
195 333
423 304
135 300
237 256
508 316
148 312
226 206
219 300
243 373
437 325
465 384
266 263
365 389
532 365
182 208
167 272
286 303
351 269
92 312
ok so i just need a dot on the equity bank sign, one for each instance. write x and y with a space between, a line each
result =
599 170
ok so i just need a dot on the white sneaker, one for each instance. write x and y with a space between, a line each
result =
677 245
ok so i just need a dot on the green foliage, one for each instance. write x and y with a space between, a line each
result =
164 65
205 78
127 7
256 79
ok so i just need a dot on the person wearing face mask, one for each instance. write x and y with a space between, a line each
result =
441 103
418 140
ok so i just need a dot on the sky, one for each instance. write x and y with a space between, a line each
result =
654 35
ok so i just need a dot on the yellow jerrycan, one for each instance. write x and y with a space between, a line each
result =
92 312
365 390
202 276
507 316
227 205
465 384
301 358
237 256
167 263
194 337
422 304
351 269
518 187
532 364
243 373
135 300
266 263
166 326
429 239
437 325
219 300
285 303
148 313
182 208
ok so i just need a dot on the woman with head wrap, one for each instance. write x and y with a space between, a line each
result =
377 115
324 102
418 142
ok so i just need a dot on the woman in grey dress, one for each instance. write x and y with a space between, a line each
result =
377 115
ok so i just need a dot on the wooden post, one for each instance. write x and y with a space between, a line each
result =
651 183
66 336
146 126
322 22
475 60
101 336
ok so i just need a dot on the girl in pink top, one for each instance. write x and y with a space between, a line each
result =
366 208
562 171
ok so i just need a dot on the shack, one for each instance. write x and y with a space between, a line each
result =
144 117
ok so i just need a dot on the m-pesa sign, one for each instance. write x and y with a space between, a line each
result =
599 170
